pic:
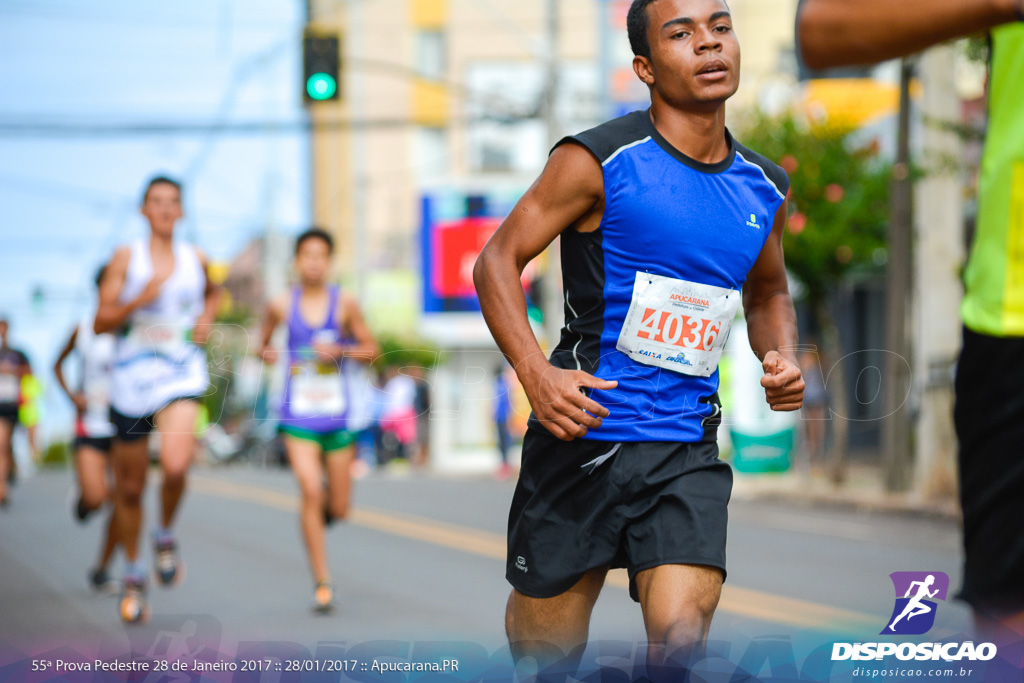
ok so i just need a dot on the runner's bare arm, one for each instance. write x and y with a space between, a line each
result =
771 321
272 317
58 371
112 314
351 320
568 191
211 301
847 32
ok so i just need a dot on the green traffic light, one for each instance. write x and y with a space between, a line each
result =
321 86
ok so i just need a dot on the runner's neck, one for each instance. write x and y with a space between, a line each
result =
313 289
161 243
698 135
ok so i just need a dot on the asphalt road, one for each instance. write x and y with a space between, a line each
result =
422 559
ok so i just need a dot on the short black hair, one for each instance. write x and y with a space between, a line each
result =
315 233
160 180
637 24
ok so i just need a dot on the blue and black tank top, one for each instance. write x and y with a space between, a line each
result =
650 294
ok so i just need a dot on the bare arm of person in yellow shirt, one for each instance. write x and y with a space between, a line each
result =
835 33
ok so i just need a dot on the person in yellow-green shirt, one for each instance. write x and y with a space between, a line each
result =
989 411
28 411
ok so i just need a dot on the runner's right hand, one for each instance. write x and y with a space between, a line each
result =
80 402
151 291
560 405
269 355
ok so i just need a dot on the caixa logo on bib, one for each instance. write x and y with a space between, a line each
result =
917 596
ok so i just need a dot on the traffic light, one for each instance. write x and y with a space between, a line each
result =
320 67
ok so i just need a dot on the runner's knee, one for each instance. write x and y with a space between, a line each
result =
339 510
687 631
684 631
94 498
130 492
312 493
174 475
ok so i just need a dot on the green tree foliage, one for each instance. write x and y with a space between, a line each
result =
400 353
838 201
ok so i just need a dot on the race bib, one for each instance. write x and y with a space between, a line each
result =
153 333
9 388
97 401
317 395
677 325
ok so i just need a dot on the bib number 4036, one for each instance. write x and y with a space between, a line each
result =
678 329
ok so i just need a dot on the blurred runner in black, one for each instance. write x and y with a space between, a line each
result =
13 366
93 432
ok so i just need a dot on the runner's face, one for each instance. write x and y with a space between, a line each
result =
313 260
162 208
695 56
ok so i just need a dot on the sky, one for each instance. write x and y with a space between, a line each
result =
85 76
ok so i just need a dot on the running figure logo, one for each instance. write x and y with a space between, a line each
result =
914 612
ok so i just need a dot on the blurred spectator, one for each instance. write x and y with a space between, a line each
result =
421 404
28 410
398 420
502 413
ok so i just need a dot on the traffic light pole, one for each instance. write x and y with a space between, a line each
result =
360 176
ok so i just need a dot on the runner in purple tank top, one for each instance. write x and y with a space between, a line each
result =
326 337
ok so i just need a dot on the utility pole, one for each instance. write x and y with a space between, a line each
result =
899 283
552 304
360 176
938 254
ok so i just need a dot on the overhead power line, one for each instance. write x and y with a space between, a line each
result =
20 129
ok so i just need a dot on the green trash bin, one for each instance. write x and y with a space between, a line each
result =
762 453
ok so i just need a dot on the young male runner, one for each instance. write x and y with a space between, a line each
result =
93 431
157 297
664 219
14 366
326 334
989 410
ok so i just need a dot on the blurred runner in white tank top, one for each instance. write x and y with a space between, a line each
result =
157 299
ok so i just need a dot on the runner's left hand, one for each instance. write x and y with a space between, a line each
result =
328 351
783 383
200 333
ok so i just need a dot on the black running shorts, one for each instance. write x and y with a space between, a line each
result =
134 428
989 419
9 413
99 443
583 504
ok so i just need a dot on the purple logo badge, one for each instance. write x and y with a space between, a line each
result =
916 596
